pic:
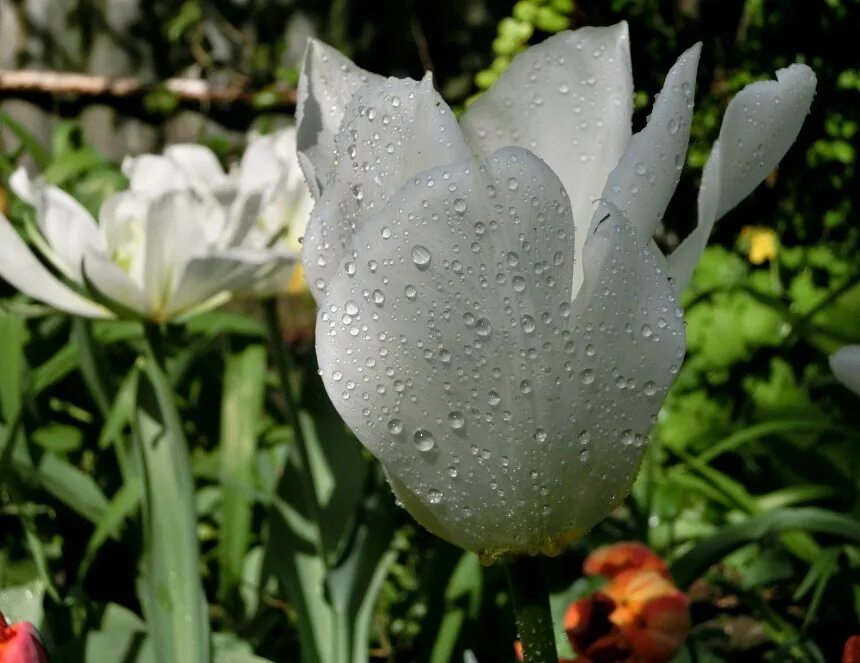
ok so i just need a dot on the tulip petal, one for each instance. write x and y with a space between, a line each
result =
68 227
630 344
444 334
173 238
643 182
570 101
845 364
759 126
154 175
198 161
236 269
20 268
328 82
114 283
418 132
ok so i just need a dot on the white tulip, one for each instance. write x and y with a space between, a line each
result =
496 324
268 168
845 364
158 252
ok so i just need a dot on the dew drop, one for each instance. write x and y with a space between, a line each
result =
395 426
421 257
483 327
459 205
456 419
424 440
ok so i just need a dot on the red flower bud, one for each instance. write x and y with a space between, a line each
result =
20 643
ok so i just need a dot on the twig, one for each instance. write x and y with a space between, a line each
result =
68 93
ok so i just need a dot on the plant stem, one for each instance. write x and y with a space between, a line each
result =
284 367
531 606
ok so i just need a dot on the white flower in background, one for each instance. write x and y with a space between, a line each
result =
845 364
268 169
155 254
496 324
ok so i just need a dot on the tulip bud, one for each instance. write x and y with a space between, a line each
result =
20 643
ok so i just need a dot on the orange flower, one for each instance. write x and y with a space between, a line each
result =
20 643
650 613
851 653
639 616
611 560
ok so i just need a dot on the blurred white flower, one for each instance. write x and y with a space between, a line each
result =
845 364
158 252
496 323
263 204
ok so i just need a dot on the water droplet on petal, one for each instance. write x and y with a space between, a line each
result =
424 440
421 257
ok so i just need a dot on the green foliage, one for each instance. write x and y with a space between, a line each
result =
749 487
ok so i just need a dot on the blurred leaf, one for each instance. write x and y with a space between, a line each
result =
462 599
23 603
241 412
36 150
705 554
125 503
173 598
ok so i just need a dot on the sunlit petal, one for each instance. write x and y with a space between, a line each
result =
390 133
328 82
760 124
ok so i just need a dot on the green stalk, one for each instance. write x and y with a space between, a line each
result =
531 607
284 367
173 597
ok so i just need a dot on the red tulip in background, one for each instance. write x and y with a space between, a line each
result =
20 643
639 616
851 653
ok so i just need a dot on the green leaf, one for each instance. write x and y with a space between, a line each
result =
172 594
462 600
122 506
23 603
241 412
39 153
705 554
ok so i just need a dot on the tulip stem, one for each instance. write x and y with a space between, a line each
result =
531 607
284 367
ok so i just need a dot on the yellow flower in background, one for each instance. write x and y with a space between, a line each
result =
761 243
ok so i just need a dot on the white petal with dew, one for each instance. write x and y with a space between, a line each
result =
442 343
642 184
390 133
845 364
629 332
759 126
570 101
327 83
20 268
